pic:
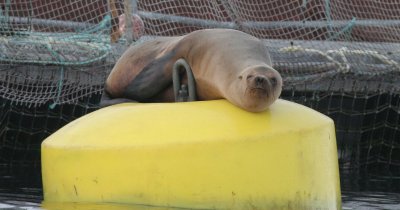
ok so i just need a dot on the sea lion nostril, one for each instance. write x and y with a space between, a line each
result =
260 80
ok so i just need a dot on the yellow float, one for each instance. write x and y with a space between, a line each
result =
198 155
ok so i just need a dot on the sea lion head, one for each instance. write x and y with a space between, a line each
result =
258 87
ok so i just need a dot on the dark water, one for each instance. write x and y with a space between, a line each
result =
24 191
366 191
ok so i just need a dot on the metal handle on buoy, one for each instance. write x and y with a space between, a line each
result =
181 91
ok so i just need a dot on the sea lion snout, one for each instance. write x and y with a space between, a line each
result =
261 81
262 77
265 81
258 86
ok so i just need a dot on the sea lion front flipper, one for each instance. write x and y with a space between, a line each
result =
153 79
106 100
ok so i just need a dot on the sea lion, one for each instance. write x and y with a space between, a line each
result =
226 64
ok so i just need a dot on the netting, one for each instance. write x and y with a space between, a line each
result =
54 57
340 57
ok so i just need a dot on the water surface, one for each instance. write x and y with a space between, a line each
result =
30 198
22 189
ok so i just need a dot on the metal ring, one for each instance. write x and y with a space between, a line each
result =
181 63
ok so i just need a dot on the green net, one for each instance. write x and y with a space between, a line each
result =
340 57
54 58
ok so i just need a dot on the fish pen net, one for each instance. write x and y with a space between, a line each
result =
339 57
54 58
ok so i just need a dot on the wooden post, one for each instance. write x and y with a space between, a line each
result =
115 34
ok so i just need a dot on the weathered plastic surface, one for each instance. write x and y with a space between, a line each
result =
195 155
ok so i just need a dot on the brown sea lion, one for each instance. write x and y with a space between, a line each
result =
226 64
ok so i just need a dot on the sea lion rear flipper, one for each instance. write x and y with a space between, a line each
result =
153 79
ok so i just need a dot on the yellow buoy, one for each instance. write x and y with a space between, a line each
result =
195 155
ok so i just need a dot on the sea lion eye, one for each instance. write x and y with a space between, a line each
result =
240 77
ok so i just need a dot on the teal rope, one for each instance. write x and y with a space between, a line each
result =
84 39
106 22
346 29
4 16
7 15
60 81
328 17
30 16
304 5
103 25
2 19
89 38
104 50
59 89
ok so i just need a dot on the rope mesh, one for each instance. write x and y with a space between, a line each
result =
340 57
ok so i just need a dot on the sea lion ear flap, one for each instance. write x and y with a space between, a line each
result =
154 78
